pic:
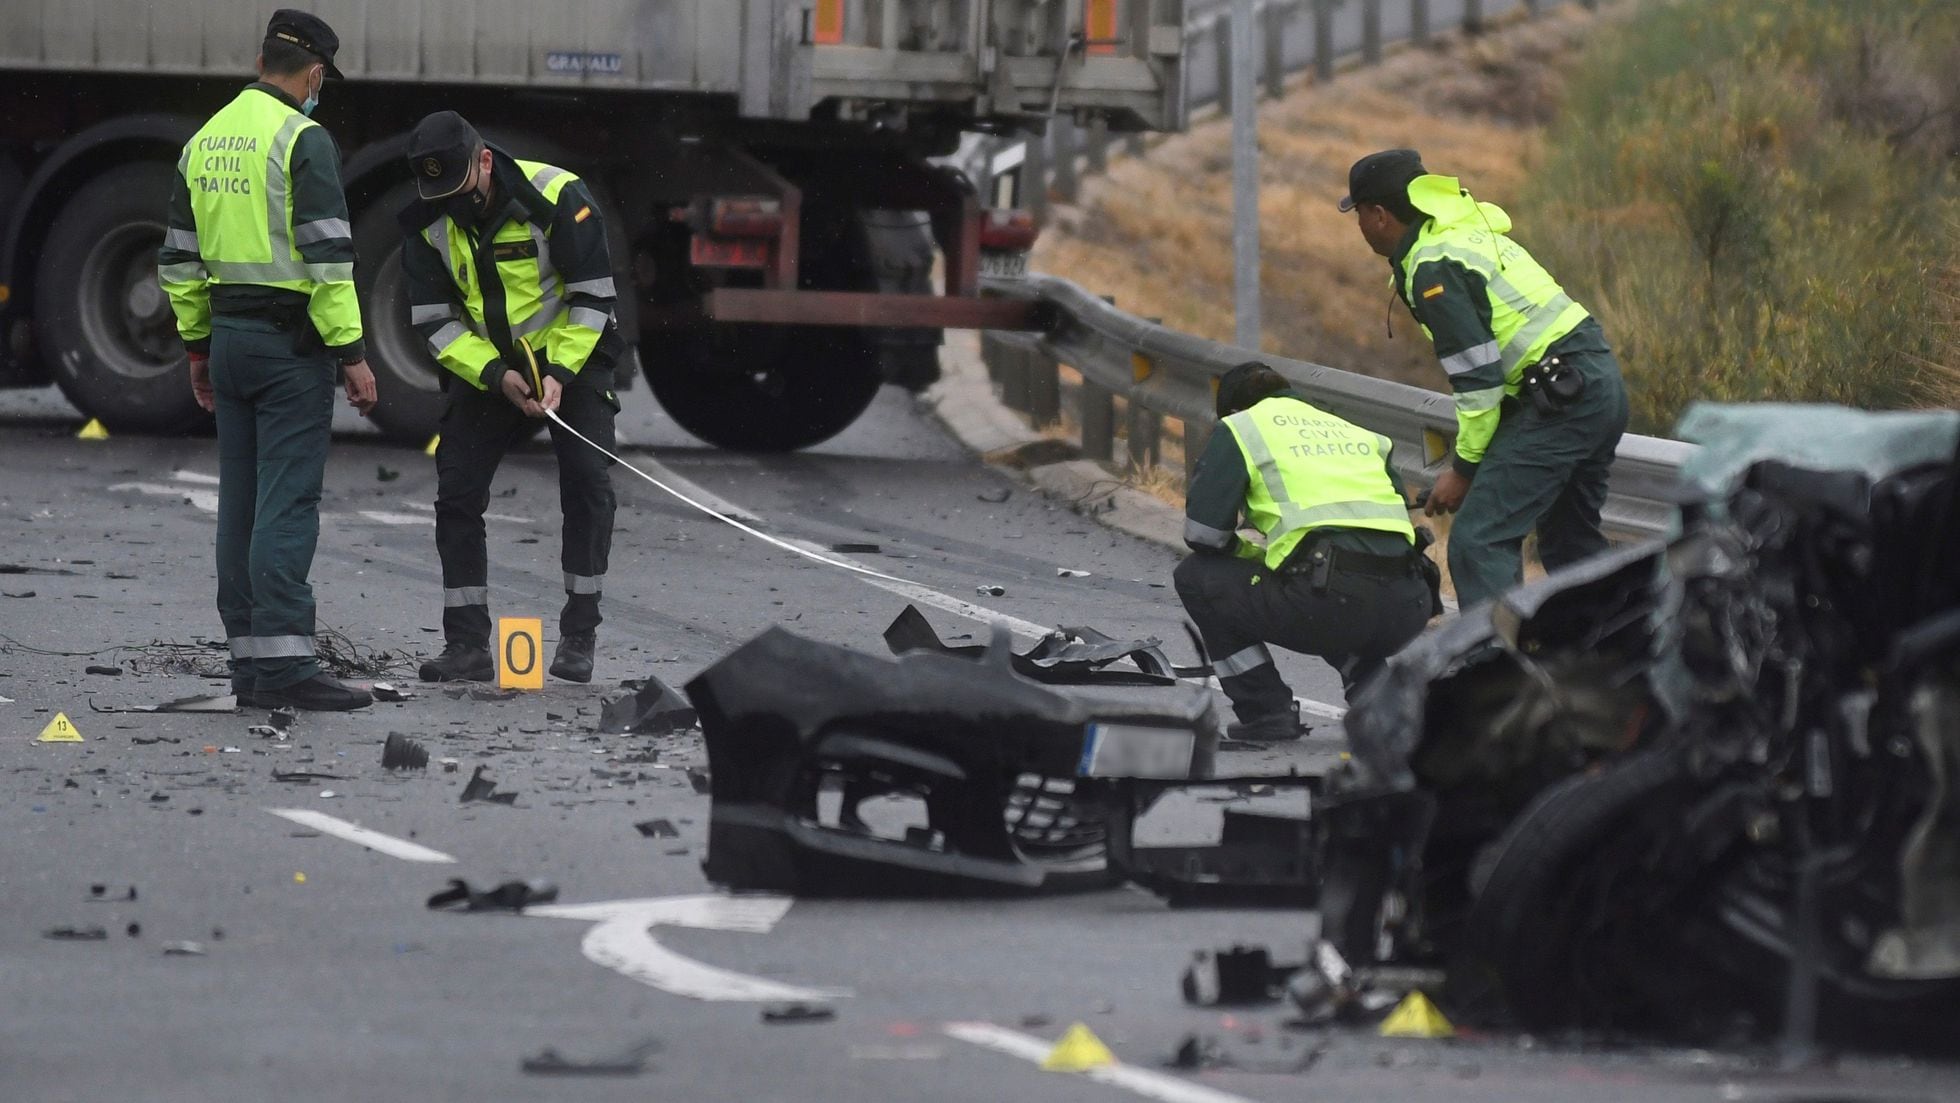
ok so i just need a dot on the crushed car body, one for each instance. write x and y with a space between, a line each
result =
1690 784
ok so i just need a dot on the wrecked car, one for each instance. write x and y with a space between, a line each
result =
836 773
1692 785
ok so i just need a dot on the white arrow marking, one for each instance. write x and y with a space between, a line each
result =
623 942
354 833
206 500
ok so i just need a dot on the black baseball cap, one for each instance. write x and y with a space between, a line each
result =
439 153
1380 176
307 31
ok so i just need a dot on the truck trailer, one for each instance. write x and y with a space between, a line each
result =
768 170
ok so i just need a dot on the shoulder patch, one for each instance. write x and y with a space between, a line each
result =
583 214
1432 292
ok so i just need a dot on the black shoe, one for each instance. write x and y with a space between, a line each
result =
459 662
247 698
573 659
320 693
1278 728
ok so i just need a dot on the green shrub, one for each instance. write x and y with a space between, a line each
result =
1725 190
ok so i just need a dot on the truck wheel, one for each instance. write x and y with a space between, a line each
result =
406 377
761 388
105 324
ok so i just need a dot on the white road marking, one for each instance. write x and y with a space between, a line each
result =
1321 709
427 508
383 517
1150 1085
188 476
204 500
373 840
925 595
698 492
623 942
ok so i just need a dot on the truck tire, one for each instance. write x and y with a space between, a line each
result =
105 325
406 378
763 388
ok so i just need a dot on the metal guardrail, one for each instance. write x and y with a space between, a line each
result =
1160 372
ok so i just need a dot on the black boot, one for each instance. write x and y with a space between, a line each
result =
573 659
1278 727
460 662
320 693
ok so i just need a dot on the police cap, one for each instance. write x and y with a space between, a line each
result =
439 153
307 31
1380 176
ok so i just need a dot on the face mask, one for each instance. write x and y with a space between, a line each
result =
312 96
467 205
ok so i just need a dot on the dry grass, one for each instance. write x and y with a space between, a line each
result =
1156 232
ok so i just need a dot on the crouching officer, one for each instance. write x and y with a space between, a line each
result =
1341 575
258 261
510 283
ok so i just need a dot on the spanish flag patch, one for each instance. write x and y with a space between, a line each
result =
1432 292
586 212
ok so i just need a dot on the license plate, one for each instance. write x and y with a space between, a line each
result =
996 265
1136 750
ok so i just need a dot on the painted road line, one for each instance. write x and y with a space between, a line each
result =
622 940
185 475
696 491
427 508
384 517
373 840
1150 1085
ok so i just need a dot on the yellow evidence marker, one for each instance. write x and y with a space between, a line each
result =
1416 1017
94 430
520 653
60 730
1078 1050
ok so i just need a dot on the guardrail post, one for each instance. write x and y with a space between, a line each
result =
1371 31
1098 421
1146 432
1008 365
1275 72
1473 16
1067 184
1323 39
1034 179
1196 438
1223 41
1098 145
1044 406
1419 22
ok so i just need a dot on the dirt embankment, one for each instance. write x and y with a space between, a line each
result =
1155 232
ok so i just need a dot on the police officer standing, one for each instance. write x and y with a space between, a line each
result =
258 261
1340 574
507 268
1540 404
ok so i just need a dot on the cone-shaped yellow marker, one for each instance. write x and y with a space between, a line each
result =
433 441
1078 1050
1416 1017
94 430
60 730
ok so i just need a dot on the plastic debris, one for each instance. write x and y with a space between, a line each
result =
389 693
798 1013
1239 975
304 777
183 949
1069 572
402 753
653 708
449 765
867 549
101 893
201 703
995 496
658 829
991 590
632 1062
385 474
509 896
485 789
266 731
110 671
283 718
76 934
1078 1050
699 780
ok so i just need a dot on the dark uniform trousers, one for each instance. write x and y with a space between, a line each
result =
478 427
273 383
1542 471
1354 622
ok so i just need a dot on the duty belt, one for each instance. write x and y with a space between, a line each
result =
1322 562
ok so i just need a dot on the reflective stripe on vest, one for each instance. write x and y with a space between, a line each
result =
534 292
1307 469
237 170
1528 309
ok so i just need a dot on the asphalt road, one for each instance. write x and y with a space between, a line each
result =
324 977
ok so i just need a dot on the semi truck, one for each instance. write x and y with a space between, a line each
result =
771 173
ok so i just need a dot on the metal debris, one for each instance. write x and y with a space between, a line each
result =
798 1013
652 708
631 1062
509 896
386 692
483 788
658 829
76 934
991 590
283 718
96 668
183 948
1240 975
